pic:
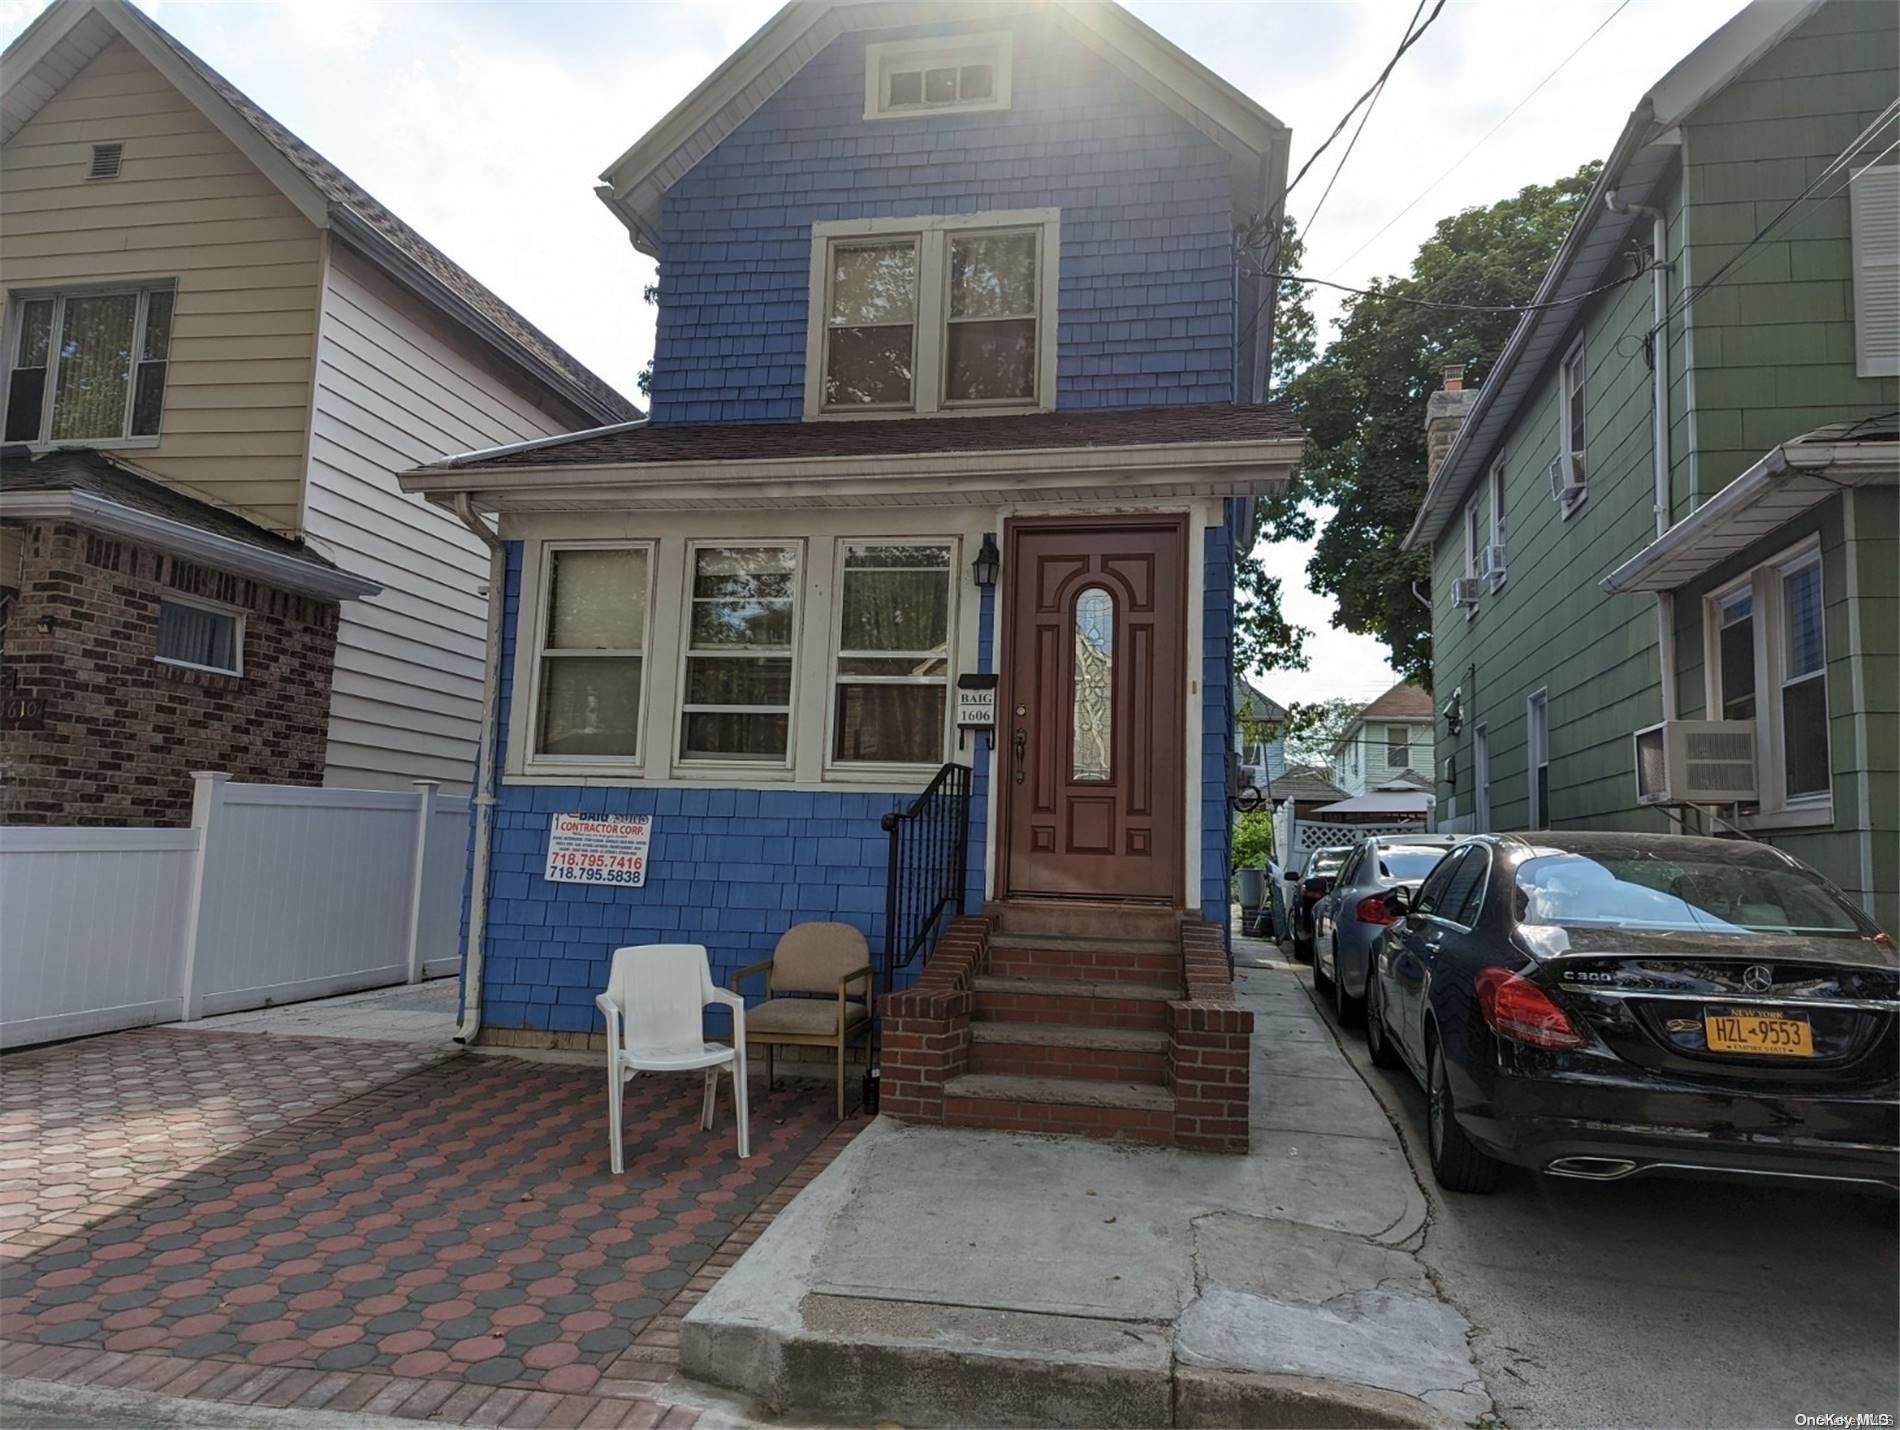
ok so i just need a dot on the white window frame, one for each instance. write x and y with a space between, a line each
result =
1497 521
883 59
832 678
931 328
1574 360
532 758
683 707
1472 516
1775 809
1874 202
236 616
1536 754
16 301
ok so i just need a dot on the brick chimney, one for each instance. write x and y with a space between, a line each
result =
1445 412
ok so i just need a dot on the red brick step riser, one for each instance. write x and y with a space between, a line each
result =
1103 966
1087 1064
1074 1010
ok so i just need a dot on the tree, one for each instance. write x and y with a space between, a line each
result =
1315 728
650 295
1253 839
1362 402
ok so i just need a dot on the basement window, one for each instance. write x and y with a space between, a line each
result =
947 74
200 638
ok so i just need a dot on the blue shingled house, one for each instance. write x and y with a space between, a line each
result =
957 417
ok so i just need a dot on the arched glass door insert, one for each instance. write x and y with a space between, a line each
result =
1092 700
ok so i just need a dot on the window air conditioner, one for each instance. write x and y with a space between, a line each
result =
1491 564
1464 591
1696 762
1567 478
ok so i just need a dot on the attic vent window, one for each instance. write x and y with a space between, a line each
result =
948 74
105 161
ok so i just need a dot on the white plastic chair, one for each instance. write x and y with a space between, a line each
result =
653 1005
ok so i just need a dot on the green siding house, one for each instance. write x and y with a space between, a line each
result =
1673 495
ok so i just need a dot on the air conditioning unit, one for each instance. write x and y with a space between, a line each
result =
1465 591
1491 564
1567 484
1697 762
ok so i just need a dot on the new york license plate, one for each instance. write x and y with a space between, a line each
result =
1757 1031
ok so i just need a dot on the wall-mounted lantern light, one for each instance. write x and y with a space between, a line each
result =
988 562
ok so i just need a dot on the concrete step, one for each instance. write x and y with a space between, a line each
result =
1084 919
1061 1050
1128 960
1093 1003
1141 1112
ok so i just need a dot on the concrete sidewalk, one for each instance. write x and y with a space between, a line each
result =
939 1276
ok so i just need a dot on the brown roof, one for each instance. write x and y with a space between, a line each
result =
1404 701
80 469
1304 784
535 349
906 437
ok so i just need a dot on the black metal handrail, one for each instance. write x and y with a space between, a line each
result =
929 864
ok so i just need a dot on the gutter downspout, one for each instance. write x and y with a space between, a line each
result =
471 1019
1659 440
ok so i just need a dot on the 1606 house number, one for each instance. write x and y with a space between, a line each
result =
598 849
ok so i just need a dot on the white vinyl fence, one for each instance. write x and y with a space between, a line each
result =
274 893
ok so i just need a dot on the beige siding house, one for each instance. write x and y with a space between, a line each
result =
292 346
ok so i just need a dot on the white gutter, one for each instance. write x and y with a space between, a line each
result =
229 553
1659 438
471 1019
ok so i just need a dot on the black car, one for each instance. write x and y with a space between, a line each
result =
1312 883
1601 1005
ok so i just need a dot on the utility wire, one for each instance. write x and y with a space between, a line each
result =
1393 297
1364 116
1840 162
1511 114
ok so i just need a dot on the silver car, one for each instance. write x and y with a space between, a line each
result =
1349 920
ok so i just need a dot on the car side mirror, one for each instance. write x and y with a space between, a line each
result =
1292 876
1398 900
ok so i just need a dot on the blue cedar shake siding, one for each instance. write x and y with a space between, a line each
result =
1147 273
1217 712
729 868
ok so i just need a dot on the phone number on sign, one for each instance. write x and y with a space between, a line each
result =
615 867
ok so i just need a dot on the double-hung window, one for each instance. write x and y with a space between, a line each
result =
200 637
1398 746
88 366
741 631
918 316
1569 472
591 662
1768 638
892 686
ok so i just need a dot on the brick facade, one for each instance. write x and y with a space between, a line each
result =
1147 276
1209 1034
121 732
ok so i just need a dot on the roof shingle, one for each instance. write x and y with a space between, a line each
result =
905 437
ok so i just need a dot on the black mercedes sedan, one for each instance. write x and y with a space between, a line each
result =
1603 1005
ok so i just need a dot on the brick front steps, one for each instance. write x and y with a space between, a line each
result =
1088 1019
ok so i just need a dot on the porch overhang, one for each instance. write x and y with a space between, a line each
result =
1787 481
986 477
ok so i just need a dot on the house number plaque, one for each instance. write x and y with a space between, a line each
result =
976 702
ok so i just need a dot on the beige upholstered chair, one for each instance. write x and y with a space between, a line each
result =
810 1000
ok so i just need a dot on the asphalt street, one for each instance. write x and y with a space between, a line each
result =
1660 1301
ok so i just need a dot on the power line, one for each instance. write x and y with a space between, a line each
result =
1511 114
1365 115
1390 296
1840 161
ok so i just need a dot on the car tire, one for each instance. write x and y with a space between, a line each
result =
1350 1009
1379 1045
1302 946
1457 1165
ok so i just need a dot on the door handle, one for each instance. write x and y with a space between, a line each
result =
1021 744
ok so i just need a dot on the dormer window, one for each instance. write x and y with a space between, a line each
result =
933 314
946 74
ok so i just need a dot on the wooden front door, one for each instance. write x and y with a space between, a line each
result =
1091 724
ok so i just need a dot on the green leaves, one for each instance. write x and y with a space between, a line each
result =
1362 402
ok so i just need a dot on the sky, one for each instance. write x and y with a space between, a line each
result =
486 126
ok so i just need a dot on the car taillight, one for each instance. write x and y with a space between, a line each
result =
1375 910
1518 1009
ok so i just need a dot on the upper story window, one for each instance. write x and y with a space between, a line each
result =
1398 746
945 74
1569 470
916 316
87 366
